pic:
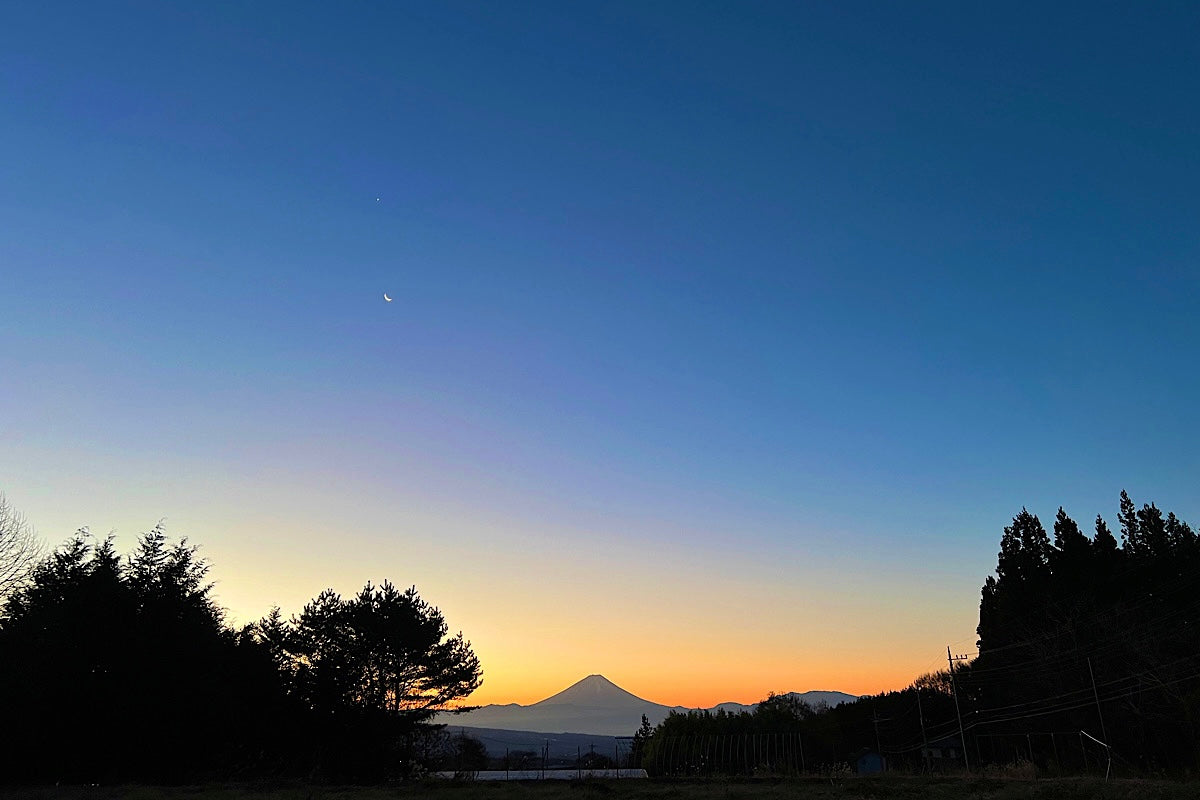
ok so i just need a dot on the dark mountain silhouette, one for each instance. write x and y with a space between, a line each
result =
595 705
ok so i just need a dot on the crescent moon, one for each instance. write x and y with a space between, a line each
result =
385 297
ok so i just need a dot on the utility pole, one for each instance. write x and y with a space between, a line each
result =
924 738
1096 695
962 736
879 747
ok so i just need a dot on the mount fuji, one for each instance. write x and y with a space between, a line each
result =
596 705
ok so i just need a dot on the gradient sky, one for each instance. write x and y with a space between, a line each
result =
726 337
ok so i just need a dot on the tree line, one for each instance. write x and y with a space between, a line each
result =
1088 648
116 669
124 669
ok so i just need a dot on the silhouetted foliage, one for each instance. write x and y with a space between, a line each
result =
116 671
936 683
124 670
1058 612
640 738
383 650
373 669
521 760
455 753
1127 617
782 735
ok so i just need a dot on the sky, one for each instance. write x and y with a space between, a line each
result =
725 338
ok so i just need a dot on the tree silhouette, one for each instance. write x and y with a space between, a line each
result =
383 650
118 669
456 753
372 669
640 737
1115 625
132 659
20 549
1075 634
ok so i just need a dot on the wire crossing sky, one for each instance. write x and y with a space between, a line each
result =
723 339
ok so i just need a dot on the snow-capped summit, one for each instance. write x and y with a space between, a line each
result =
593 691
597 706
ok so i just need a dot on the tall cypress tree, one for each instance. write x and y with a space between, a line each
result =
1131 534
1072 554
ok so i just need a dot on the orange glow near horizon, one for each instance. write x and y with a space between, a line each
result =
704 688
693 629
694 635
691 694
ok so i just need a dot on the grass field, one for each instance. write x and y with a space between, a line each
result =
873 788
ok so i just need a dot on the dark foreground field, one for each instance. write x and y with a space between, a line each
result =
879 788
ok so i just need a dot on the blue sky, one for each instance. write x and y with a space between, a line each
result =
772 290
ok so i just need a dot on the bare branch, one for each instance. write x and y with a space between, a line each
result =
20 549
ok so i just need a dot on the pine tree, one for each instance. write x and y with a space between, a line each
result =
1024 551
1153 530
640 738
1071 556
1104 541
1181 536
1131 534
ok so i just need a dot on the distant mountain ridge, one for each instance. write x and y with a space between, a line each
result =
596 705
